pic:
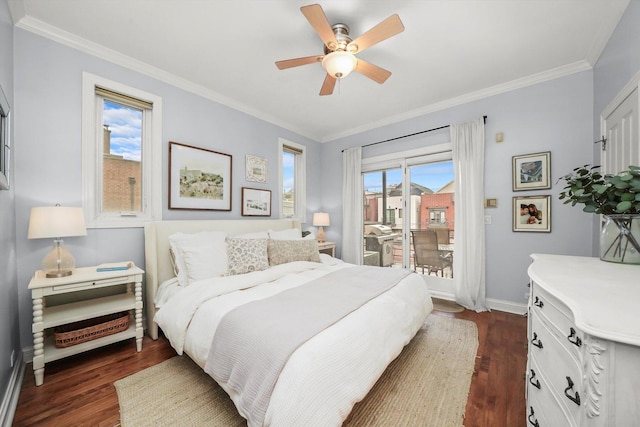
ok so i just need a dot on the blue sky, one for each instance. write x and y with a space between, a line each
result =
433 176
125 124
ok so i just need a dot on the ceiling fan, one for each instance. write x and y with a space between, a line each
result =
339 49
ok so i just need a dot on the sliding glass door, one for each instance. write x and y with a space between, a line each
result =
407 196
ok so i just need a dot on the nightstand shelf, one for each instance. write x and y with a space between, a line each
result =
76 311
51 352
328 248
78 287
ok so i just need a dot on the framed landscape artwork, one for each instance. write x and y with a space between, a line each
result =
199 178
256 202
532 171
532 214
256 169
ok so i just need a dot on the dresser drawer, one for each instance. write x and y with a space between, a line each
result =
559 320
553 365
543 406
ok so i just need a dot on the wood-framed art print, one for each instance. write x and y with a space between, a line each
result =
256 202
532 213
256 169
4 141
532 171
199 178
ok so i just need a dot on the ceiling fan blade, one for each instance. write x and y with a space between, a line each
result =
318 20
374 72
296 62
328 85
387 28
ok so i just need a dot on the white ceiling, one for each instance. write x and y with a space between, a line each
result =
451 52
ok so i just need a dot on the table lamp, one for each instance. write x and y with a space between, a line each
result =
321 219
57 222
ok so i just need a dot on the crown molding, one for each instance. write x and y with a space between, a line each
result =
520 83
603 36
43 29
56 34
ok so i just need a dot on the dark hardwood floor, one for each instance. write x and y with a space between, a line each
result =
78 391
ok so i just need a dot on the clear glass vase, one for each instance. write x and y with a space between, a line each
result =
620 239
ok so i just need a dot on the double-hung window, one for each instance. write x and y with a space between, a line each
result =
292 180
121 141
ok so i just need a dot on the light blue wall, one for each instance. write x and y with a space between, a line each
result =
554 116
617 65
9 338
48 79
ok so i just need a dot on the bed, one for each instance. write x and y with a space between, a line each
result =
326 374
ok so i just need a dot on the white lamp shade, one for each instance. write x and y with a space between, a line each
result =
339 63
321 219
56 221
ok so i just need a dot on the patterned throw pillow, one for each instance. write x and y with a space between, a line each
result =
283 251
246 255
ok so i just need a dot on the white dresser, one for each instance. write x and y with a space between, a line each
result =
583 365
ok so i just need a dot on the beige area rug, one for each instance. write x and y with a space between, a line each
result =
427 385
446 305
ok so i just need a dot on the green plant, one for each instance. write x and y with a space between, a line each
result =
603 194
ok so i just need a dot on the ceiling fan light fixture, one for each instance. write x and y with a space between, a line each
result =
339 63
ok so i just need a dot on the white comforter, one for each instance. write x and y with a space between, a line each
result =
327 375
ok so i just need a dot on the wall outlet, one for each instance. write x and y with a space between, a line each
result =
13 357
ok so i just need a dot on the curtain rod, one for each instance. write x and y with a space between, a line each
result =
412 134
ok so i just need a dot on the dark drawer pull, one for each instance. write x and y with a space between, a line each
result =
533 422
538 303
535 341
575 398
576 341
536 384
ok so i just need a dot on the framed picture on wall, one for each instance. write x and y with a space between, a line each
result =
532 171
256 202
532 213
256 169
199 178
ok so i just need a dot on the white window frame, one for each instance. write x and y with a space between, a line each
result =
403 160
300 179
92 150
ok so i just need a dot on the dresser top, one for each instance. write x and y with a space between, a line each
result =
604 297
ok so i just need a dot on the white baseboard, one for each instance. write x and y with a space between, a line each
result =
11 395
494 304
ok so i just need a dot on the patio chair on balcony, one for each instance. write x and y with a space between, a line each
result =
427 255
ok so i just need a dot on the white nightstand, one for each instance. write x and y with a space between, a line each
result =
328 248
83 279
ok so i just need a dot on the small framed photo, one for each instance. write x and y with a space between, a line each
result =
199 178
256 169
532 213
532 171
256 202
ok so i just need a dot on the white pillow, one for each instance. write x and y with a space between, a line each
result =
199 255
288 234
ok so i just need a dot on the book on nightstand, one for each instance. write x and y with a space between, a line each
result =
115 266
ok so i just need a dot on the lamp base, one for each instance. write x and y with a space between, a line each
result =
321 236
56 273
58 262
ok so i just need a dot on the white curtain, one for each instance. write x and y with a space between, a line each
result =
469 273
352 205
